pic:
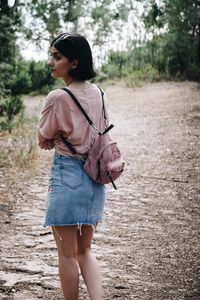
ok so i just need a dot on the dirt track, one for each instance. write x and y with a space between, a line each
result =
148 246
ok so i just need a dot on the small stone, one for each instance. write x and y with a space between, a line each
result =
121 287
7 222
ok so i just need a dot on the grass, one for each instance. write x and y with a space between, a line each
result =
18 148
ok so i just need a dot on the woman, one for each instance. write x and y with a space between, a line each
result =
75 201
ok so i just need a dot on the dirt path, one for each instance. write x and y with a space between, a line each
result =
148 246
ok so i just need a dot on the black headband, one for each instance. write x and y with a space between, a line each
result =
66 45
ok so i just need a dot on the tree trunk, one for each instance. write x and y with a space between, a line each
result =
198 45
4 8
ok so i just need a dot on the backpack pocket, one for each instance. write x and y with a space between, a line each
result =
116 166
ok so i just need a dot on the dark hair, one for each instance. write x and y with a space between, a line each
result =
75 46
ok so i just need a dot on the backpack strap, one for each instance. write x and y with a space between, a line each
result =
68 144
85 114
103 102
79 105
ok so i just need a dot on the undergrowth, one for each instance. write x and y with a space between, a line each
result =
17 149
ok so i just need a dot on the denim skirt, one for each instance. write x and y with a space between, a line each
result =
73 197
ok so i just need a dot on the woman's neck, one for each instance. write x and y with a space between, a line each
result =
77 84
68 81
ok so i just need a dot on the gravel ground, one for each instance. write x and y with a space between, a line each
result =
148 246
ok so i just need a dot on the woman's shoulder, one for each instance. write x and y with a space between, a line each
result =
97 87
95 90
57 95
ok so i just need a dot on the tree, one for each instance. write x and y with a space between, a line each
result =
10 22
180 20
9 110
96 19
52 17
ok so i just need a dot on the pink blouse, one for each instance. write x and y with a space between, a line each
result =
60 114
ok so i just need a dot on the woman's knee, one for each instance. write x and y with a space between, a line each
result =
82 254
66 252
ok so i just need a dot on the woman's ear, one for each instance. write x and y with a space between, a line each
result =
74 64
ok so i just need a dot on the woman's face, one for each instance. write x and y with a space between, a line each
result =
59 64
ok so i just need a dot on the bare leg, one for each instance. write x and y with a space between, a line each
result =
88 264
66 241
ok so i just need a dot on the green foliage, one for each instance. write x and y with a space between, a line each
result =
138 77
20 82
101 77
10 22
6 71
116 65
154 16
193 72
171 53
40 77
150 73
111 70
52 14
133 66
179 47
25 77
11 105
11 110
118 58
14 78
106 14
47 13
73 10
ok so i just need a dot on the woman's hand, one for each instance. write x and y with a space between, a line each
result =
44 143
47 144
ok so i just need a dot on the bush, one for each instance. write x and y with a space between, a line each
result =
150 73
134 79
40 76
11 111
193 72
6 75
25 77
101 77
111 70
117 62
137 77
21 82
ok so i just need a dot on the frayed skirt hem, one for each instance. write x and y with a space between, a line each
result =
79 225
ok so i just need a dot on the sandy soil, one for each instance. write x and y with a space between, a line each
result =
148 246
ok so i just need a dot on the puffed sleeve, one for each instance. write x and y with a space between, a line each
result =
48 124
